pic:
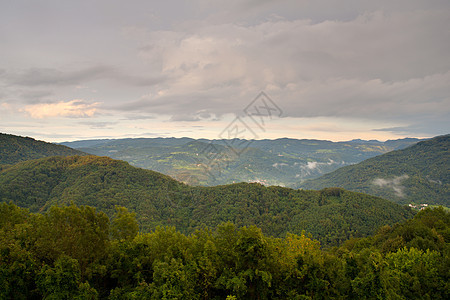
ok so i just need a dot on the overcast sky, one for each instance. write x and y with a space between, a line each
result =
333 69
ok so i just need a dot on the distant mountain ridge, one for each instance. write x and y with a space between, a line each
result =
330 215
417 174
282 161
14 149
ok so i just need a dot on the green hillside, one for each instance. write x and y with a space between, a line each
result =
331 215
14 149
417 174
204 162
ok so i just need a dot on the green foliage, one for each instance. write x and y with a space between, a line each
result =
11 215
417 174
14 149
17 264
229 262
17 269
241 241
61 281
412 273
79 232
332 215
124 225
394 265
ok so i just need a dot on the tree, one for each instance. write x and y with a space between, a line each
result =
79 232
63 281
124 225
414 274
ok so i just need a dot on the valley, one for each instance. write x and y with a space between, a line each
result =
283 162
76 225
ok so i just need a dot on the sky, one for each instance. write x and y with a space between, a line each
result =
332 69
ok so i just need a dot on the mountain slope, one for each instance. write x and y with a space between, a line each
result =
14 149
417 174
331 215
282 162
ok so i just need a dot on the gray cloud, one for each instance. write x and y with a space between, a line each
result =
98 125
138 117
383 61
48 76
198 116
184 118
36 96
54 77
377 65
427 127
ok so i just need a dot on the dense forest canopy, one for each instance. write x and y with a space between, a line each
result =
76 252
14 149
90 227
331 215
417 174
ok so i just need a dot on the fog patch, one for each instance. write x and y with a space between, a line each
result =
394 184
277 165
434 181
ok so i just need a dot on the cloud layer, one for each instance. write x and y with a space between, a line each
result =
381 66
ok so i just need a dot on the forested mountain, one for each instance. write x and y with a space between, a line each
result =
78 237
79 253
417 174
330 215
282 162
14 149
